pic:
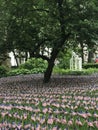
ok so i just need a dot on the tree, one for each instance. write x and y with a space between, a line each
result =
25 34
86 29
35 25
4 59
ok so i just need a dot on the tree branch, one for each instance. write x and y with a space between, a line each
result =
41 43
40 56
45 10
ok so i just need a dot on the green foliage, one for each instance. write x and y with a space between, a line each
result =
90 65
18 72
56 70
64 60
69 72
3 27
32 26
26 32
3 71
32 66
34 63
37 70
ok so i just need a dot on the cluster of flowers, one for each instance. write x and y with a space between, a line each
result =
70 109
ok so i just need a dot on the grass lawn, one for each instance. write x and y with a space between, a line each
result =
65 108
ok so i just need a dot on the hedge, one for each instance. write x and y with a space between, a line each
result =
90 65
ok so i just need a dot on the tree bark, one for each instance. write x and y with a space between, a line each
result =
51 64
48 72
59 45
90 52
26 56
19 54
90 56
82 52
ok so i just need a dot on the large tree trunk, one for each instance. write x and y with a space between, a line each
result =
48 72
59 45
51 64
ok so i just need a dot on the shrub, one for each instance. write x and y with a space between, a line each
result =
76 72
18 72
3 71
64 60
34 64
90 65
37 70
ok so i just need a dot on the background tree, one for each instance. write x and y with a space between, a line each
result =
86 29
4 58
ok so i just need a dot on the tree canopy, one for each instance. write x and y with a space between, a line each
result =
31 26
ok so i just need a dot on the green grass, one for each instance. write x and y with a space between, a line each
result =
89 71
